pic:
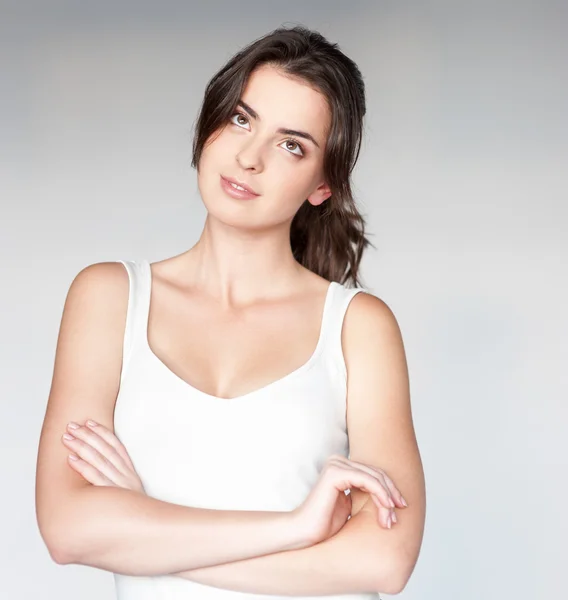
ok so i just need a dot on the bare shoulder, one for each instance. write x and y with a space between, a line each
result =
99 282
369 320
374 351
92 327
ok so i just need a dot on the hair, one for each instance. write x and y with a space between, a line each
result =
328 239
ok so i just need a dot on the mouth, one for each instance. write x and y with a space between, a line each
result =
237 189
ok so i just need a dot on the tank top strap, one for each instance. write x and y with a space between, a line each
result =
139 277
339 302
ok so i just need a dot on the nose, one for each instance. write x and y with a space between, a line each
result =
250 157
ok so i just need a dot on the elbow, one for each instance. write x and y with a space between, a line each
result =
399 577
56 546
61 536
67 528
67 549
396 586
392 579
392 585
59 556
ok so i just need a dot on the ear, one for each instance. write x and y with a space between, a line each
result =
320 194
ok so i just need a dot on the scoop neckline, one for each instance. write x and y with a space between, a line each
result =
253 393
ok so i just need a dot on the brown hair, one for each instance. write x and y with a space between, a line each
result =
328 239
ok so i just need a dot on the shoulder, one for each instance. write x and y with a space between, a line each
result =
99 281
98 290
371 330
367 310
93 320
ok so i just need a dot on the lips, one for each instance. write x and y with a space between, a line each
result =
243 185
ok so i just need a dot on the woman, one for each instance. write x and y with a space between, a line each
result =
205 399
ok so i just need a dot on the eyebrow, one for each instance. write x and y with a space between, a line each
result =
302 134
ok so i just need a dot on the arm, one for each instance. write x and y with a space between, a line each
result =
362 556
349 562
111 528
127 532
381 430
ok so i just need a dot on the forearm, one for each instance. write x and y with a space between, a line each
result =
126 532
348 562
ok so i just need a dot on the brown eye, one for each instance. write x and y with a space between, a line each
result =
295 145
240 116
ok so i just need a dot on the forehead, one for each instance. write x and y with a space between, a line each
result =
283 101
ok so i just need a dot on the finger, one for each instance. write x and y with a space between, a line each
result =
395 492
377 473
87 471
384 514
111 439
102 447
348 476
90 455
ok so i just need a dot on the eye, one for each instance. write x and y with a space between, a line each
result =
296 144
239 114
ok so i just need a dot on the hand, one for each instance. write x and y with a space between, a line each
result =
324 512
100 458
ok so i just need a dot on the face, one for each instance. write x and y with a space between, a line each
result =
284 169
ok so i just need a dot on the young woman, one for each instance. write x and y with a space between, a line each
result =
209 401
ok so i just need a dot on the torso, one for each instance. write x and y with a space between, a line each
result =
260 441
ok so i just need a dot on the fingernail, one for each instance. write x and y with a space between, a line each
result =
391 503
67 436
73 425
91 423
389 522
394 517
403 501
73 457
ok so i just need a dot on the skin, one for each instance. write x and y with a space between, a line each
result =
241 280
245 243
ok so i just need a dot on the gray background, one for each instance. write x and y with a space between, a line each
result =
459 177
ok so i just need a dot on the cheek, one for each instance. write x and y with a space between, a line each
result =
206 176
210 152
292 182
210 165
286 197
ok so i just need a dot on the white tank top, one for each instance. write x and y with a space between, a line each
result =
263 450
